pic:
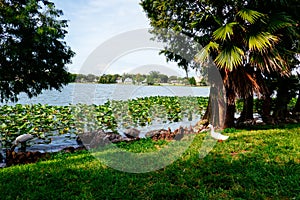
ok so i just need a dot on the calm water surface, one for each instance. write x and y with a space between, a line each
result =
99 93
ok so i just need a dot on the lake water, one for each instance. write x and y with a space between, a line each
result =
99 93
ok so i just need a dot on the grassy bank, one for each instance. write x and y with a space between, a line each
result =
258 164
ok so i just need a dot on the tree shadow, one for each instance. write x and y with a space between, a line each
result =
217 176
268 127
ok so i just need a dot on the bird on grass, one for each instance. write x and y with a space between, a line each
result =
21 139
215 135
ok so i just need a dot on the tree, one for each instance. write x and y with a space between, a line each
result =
192 81
33 54
173 78
243 42
72 78
108 78
154 74
125 76
163 78
287 12
91 78
139 78
150 80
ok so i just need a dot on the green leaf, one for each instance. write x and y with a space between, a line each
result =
230 58
204 53
279 21
250 15
224 32
261 41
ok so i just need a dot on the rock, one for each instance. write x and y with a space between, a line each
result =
96 139
100 138
92 139
152 133
132 133
200 125
179 133
203 122
163 135
69 150
14 158
87 137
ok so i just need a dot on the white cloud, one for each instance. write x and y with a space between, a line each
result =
93 22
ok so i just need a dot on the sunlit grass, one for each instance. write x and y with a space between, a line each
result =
252 164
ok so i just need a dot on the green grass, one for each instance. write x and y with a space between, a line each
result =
252 164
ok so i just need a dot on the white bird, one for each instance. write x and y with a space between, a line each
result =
217 136
21 139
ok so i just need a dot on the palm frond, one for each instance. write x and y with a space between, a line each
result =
279 21
261 41
270 61
250 15
225 31
230 58
204 53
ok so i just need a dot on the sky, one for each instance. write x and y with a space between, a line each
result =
94 22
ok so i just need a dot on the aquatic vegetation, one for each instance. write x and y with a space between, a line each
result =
45 120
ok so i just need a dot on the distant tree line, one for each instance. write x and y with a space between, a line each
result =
154 77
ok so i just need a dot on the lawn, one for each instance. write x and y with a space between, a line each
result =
251 164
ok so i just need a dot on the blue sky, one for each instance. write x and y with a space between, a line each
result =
92 22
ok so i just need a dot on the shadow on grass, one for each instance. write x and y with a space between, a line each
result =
268 127
217 176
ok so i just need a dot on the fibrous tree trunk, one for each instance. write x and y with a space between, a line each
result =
266 108
247 112
282 100
216 109
230 108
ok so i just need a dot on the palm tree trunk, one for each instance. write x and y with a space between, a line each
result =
282 100
215 112
266 108
247 112
230 108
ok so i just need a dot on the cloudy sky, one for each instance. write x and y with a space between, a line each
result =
93 22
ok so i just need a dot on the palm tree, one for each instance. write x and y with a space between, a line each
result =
241 40
244 49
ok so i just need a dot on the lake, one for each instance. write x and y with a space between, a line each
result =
98 94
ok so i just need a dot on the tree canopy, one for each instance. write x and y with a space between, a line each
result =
33 53
248 40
